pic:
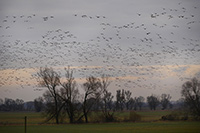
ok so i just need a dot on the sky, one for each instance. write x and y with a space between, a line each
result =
147 47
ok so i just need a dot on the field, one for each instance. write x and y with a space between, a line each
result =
14 123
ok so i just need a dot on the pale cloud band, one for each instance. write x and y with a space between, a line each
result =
153 79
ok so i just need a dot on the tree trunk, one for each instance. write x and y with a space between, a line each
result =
85 115
84 108
56 110
71 113
86 119
71 119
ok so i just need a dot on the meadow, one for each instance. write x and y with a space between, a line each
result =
13 122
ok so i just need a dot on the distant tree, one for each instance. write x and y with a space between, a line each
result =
153 102
19 104
127 99
180 103
140 102
1 101
70 95
1 104
12 105
171 105
9 104
165 101
191 93
92 88
38 104
120 99
131 103
135 103
50 79
29 106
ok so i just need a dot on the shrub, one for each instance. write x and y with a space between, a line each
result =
109 118
133 116
170 117
174 116
100 117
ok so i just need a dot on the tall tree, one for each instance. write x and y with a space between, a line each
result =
191 93
70 94
165 100
92 88
50 79
49 108
106 107
153 102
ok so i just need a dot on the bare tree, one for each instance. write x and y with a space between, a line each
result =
153 102
92 88
51 79
49 108
165 100
70 94
107 107
191 93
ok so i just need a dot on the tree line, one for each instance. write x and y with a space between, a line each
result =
62 97
11 105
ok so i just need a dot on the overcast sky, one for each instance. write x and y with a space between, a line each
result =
146 46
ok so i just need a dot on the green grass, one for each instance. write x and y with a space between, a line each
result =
162 127
18 117
13 122
35 118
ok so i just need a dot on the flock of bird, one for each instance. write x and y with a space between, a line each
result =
139 51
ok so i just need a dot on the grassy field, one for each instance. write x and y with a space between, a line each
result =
13 123
10 118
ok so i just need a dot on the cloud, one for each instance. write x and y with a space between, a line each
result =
26 75
11 77
192 70
152 79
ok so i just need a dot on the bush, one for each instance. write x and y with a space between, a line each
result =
174 116
170 117
110 118
133 116
100 117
